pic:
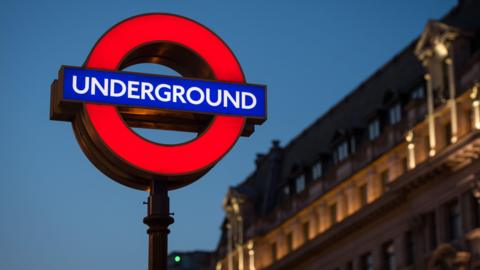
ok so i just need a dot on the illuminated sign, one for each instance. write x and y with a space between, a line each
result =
162 92
103 103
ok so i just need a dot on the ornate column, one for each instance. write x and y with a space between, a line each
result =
314 220
475 107
430 116
342 206
452 101
322 218
251 255
474 235
410 150
373 186
229 247
241 260
351 199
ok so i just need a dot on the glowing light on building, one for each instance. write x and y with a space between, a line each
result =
251 255
411 150
452 101
431 116
441 49
476 113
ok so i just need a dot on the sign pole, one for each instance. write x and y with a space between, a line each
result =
158 219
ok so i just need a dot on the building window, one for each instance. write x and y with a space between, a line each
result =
341 152
385 178
353 145
475 115
306 231
454 221
366 262
274 250
363 195
395 114
475 206
418 93
432 230
448 133
333 214
404 165
471 121
427 146
409 248
317 170
349 265
300 183
389 256
446 82
289 242
374 129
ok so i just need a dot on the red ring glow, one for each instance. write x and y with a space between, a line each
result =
198 154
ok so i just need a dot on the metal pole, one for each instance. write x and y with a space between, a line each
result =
158 220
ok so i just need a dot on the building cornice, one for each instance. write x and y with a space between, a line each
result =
450 159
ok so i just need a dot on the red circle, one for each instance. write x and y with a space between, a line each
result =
198 154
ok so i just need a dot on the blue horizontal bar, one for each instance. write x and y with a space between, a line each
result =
163 92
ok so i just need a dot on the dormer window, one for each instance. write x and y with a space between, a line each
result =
317 170
353 145
341 152
374 129
418 93
300 183
395 114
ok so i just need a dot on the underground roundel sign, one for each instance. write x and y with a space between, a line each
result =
104 103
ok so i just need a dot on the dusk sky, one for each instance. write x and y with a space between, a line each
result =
57 211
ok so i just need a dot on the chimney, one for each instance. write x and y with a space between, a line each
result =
259 159
275 143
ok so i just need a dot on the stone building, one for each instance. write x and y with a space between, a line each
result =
388 178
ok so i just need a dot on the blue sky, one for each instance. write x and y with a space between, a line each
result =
59 212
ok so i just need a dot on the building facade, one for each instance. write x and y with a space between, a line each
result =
389 178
